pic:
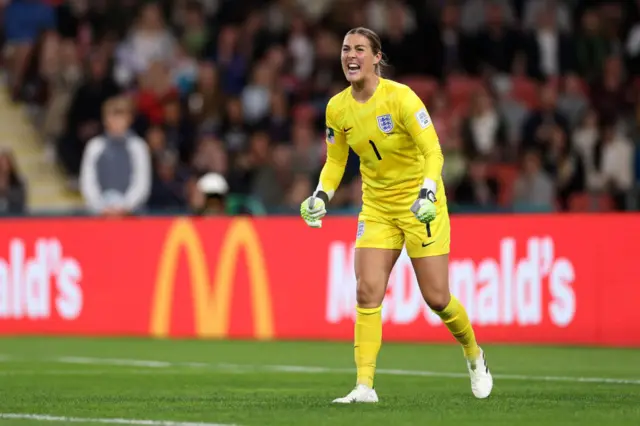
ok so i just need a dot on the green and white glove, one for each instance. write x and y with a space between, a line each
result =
424 207
313 209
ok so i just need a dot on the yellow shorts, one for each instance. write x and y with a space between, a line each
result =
392 233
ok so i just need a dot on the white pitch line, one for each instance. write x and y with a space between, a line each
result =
243 368
115 361
88 372
47 418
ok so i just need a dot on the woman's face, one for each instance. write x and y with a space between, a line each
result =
358 59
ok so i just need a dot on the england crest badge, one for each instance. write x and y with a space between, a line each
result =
385 123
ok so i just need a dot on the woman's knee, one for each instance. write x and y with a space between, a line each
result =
433 279
373 267
370 292
437 301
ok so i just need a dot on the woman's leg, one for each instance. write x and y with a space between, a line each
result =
378 246
428 247
432 273
373 267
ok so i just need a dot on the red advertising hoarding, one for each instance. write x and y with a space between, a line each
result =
523 279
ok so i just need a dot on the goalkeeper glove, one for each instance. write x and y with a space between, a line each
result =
313 209
424 207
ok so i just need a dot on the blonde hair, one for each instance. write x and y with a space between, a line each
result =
376 46
117 104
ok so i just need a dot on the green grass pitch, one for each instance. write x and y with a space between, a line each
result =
81 381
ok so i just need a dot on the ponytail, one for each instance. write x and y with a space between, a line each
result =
381 66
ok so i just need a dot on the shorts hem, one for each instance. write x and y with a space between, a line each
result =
377 246
431 254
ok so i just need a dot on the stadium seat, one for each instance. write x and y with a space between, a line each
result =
506 174
525 90
460 89
585 87
290 83
587 202
424 87
304 112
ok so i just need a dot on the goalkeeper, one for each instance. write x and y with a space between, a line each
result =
404 203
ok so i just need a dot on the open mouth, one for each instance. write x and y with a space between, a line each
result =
353 69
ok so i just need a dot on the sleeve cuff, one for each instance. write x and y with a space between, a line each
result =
429 185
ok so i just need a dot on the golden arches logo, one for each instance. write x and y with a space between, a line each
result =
212 301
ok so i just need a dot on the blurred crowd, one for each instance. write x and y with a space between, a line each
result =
218 105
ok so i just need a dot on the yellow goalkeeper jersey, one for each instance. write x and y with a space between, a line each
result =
395 139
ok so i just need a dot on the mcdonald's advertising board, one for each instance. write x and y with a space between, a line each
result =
523 279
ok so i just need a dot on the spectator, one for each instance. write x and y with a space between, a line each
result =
559 10
63 82
274 178
534 188
476 187
632 49
539 124
513 109
84 115
300 189
614 163
23 22
168 188
184 72
148 42
565 166
231 63
240 88
155 88
484 131
300 48
572 103
195 33
584 142
455 168
205 102
452 50
400 42
235 131
13 193
591 46
256 95
115 177
549 50
477 14
278 122
497 43
209 195
157 141
178 130
210 156
609 93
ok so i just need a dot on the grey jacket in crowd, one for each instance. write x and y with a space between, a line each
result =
116 173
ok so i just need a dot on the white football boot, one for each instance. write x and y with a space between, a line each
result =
361 393
481 380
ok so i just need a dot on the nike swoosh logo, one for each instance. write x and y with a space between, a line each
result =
427 244
346 130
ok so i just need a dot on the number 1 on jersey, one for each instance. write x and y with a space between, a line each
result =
375 149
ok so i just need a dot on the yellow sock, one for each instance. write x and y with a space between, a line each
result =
455 318
367 342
